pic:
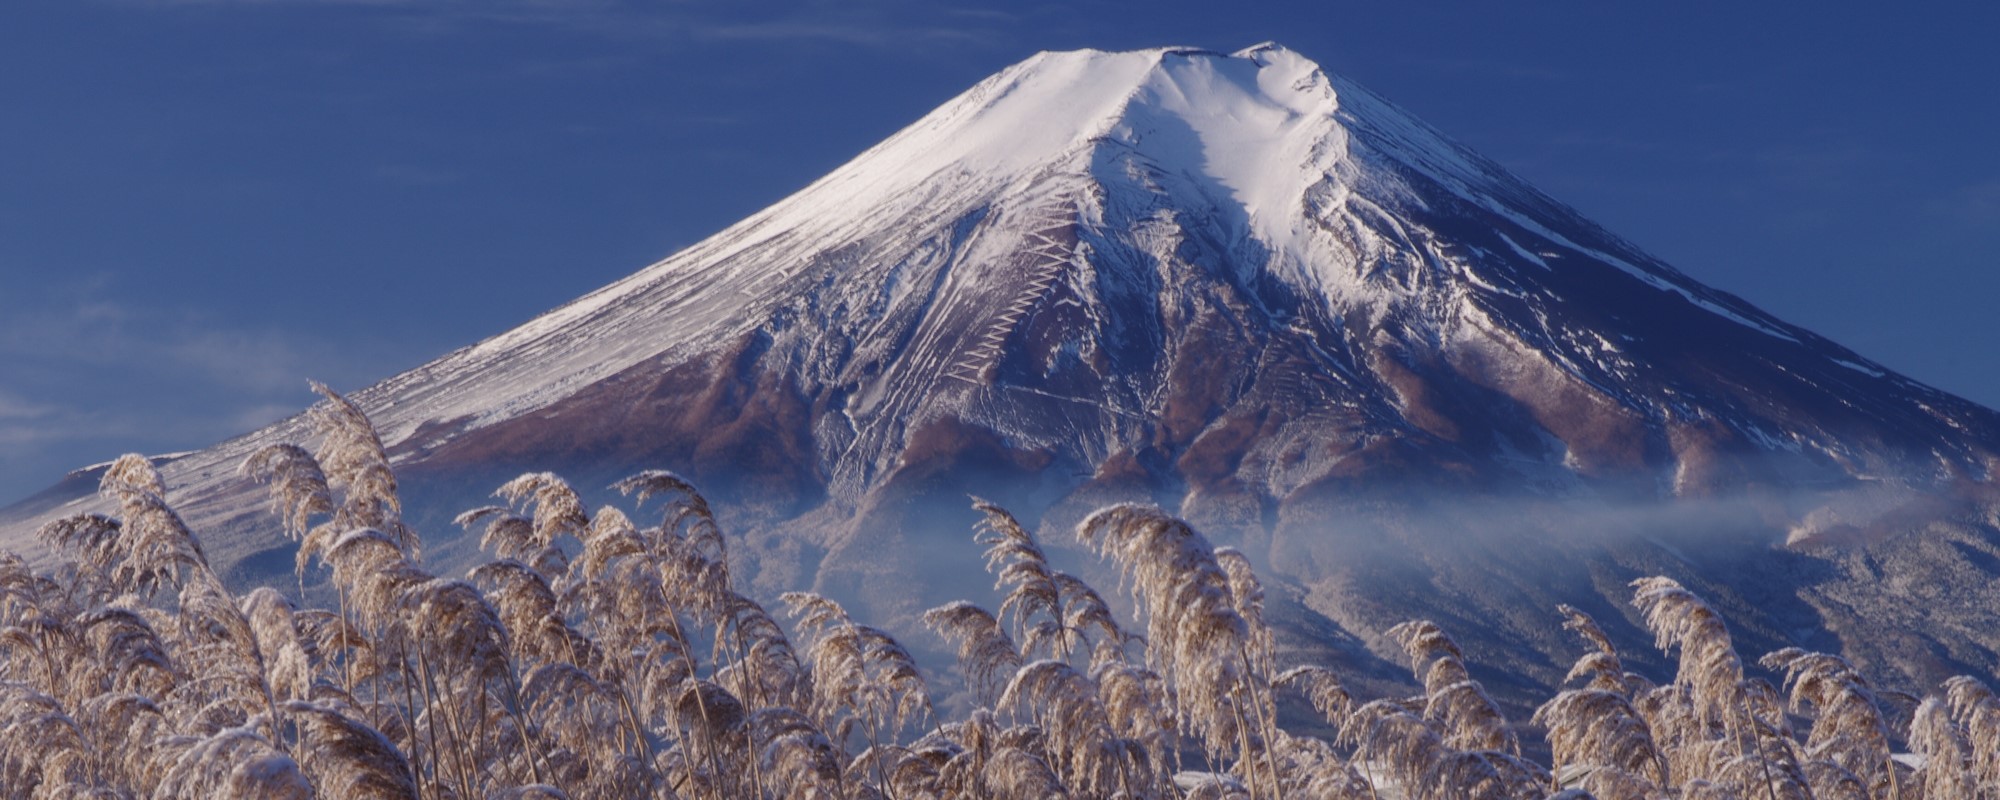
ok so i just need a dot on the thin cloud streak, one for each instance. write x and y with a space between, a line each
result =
109 336
839 33
872 25
83 373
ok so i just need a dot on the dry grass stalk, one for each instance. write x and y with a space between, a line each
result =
558 515
1947 756
1977 712
1848 730
1385 735
1601 732
356 466
1709 667
299 489
1082 748
864 681
349 759
1311 768
1601 663
1247 594
1322 688
1017 561
685 515
798 759
1140 712
1596 731
1013 773
1053 613
234 763
985 652
1469 719
1196 639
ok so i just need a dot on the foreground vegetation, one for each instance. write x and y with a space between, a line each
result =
601 657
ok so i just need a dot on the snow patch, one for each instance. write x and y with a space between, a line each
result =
1861 368
1523 252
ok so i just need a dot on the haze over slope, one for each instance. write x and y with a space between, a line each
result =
1260 296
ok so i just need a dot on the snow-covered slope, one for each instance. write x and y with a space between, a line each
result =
1230 283
1045 184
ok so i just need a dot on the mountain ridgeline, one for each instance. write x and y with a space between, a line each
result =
1408 384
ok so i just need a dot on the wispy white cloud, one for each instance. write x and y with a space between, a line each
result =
85 375
838 32
106 335
859 23
14 409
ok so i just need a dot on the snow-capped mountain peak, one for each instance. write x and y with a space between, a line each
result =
1232 283
1048 248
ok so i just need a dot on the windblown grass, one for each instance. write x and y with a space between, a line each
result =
607 654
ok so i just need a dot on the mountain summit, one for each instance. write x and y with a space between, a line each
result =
1263 297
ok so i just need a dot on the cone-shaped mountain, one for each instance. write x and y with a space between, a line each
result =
1265 298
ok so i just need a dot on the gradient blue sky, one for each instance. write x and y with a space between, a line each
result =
205 202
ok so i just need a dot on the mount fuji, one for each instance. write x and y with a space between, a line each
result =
1403 380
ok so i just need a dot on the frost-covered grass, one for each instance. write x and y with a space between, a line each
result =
603 657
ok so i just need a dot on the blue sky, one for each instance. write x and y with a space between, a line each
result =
205 202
